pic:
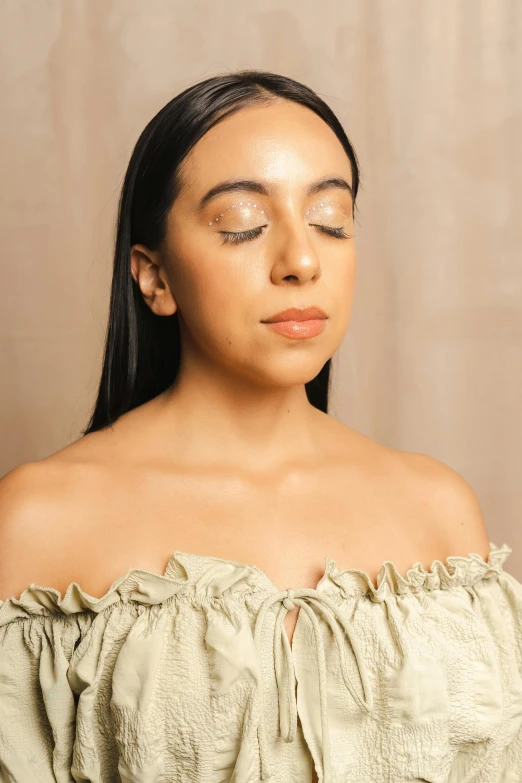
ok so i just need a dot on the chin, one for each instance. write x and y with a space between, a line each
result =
293 373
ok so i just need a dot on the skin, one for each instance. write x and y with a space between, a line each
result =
233 461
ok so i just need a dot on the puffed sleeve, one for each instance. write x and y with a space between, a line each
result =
502 608
37 705
500 604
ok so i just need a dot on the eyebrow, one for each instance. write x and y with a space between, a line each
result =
256 186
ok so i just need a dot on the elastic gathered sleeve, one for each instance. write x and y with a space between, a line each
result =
56 659
511 589
37 705
504 615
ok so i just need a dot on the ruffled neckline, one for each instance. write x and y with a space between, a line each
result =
216 577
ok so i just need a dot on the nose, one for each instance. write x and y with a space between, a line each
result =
295 258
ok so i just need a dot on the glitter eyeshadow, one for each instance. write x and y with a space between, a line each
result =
250 204
241 203
322 204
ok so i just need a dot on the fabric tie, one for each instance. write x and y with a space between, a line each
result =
307 599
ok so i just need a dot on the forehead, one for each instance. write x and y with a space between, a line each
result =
283 143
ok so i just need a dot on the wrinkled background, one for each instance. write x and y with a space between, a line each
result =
430 95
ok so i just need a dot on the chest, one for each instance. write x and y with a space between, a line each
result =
284 527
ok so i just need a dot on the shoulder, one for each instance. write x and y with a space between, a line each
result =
39 488
43 505
24 490
26 506
430 499
449 502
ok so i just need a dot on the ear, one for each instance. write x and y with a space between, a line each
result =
150 276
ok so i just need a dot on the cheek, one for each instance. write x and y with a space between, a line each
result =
342 286
342 276
217 295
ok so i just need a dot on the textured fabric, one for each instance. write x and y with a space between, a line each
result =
189 676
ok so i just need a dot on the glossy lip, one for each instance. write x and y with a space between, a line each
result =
297 314
297 330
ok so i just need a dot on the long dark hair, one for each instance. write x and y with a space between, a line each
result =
142 350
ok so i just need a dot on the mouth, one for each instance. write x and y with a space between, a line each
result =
297 314
298 323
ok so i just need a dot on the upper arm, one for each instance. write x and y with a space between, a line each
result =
452 506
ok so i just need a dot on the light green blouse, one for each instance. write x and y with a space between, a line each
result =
189 676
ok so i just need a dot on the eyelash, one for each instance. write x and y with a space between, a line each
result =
245 236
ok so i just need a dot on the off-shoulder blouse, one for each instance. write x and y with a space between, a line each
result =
189 676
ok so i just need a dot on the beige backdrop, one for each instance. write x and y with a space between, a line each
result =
430 95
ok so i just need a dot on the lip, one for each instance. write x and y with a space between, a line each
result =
298 322
297 314
298 330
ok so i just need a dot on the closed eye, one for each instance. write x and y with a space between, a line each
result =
246 236
333 232
241 236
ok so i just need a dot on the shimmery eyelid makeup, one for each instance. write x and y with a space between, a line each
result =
328 205
252 205
249 204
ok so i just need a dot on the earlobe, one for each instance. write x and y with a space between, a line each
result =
163 303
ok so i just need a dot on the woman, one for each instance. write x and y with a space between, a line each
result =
138 640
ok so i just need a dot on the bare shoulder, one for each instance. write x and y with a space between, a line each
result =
26 509
24 493
42 506
450 502
432 500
